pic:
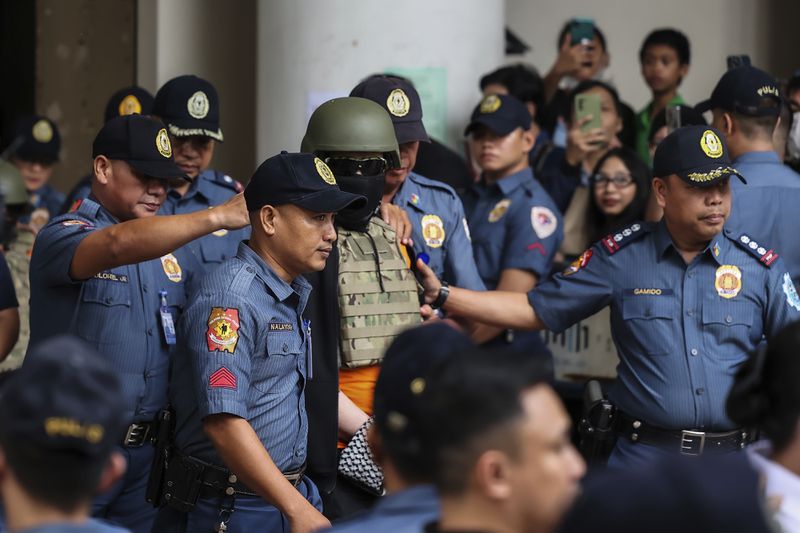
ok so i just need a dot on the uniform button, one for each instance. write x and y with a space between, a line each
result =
700 391
298 453
109 299
691 275
150 332
249 269
694 351
285 347
647 312
728 319
690 312
144 288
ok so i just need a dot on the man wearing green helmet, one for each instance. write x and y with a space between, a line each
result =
17 242
362 300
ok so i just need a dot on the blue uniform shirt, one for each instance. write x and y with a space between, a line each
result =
681 330
117 311
47 201
514 224
90 526
406 511
210 188
439 229
763 169
244 350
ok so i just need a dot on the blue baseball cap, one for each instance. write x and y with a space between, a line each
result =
65 398
189 106
745 90
697 154
35 138
300 179
129 101
501 113
401 101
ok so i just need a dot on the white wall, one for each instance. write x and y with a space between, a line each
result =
716 29
314 47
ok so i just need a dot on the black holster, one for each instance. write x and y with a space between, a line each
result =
165 423
597 426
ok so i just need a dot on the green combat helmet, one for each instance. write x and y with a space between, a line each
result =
351 124
12 186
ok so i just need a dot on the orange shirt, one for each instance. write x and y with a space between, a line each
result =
358 384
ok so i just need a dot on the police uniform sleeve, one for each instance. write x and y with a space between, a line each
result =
460 267
783 303
55 247
8 296
578 292
534 236
219 333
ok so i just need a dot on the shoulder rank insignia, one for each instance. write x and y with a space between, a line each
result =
614 243
766 256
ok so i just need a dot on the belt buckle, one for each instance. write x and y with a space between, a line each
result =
136 435
688 441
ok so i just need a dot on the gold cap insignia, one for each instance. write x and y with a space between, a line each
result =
42 131
198 105
130 105
490 104
398 103
163 144
324 171
711 144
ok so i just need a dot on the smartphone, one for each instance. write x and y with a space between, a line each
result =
581 30
588 104
738 61
673 117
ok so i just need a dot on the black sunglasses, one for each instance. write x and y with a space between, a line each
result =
355 166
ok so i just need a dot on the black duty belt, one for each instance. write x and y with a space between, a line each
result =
686 441
138 434
216 480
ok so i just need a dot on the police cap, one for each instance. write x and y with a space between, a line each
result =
401 100
129 101
189 106
35 138
745 90
501 113
695 153
140 141
300 179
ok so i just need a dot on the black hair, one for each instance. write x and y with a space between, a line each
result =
588 85
765 394
668 37
760 125
793 84
689 117
64 480
566 28
598 223
523 82
476 406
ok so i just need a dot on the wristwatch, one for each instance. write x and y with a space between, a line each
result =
444 292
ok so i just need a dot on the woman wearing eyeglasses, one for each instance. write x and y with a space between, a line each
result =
620 189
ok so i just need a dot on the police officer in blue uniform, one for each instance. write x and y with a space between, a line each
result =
34 149
239 378
61 416
689 297
189 106
439 228
516 228
113 274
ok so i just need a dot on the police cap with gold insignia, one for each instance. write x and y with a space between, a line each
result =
189 106
399 97
695 153
129 101
745 90
501 113
299 179
64 399
140 141
35 138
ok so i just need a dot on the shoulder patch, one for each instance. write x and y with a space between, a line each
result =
765 255
227 182
432 184
617 241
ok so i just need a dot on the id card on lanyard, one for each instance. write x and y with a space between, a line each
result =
167 323
309 362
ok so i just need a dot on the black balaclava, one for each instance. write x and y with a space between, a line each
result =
369 186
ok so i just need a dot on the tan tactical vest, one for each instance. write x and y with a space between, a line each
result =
377 300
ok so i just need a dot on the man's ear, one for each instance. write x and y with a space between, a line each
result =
268 216
113 472
492 474
660 191
102 169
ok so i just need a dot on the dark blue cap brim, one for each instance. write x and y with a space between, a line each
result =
331 200
498 126
407 132
705 105
157 169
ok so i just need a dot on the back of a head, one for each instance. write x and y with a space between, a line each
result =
351 124
60 418
132 100
523 82
765 394
474 408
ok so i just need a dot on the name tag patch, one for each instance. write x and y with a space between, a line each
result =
110 276
649 291
281 326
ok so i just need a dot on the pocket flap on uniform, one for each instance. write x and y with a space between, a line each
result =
726 316
647 306
106 290
283 342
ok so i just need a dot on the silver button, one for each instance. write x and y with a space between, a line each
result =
637 424
232 478
634 437
229 491
690 312
694 351
728 319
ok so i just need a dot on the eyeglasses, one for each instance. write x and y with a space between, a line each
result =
620 181
355 166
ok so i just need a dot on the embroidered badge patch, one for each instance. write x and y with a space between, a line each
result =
791 293
579 263
728 281
398 103
711 144
222 378
223 330
82 223
433 231
414 198
499 210
198 105
42 131
163 144
544 222
130 105
324 171
172 268
490 104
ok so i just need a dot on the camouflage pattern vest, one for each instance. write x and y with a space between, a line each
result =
377 294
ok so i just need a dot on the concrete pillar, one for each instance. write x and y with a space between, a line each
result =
311 50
